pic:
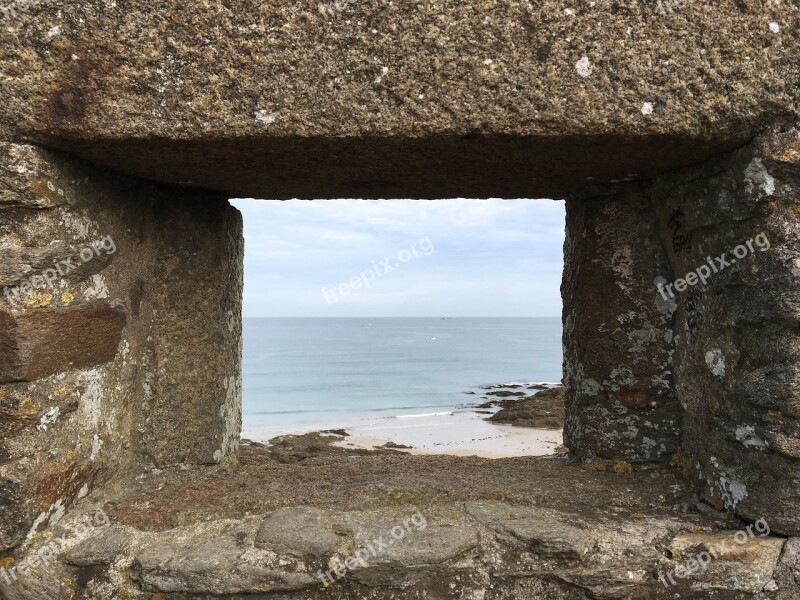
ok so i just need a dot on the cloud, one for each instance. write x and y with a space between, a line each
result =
491 258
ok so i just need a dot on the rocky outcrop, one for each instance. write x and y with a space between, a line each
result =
543 410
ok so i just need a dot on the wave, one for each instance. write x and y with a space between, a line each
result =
436 414
350 409
360 414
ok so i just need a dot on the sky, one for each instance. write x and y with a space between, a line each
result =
402 258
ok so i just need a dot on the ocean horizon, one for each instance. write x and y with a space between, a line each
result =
311 373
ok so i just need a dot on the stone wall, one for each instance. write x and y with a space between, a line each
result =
670 133
737 352
680 319
618 335
111 359
388 99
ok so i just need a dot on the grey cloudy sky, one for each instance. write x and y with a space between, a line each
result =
487 258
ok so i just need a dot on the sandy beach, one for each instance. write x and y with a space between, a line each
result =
460 433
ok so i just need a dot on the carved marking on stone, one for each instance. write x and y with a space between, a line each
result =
680 239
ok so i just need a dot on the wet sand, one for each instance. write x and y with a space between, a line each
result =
459 433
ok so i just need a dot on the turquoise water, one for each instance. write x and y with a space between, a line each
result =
305 374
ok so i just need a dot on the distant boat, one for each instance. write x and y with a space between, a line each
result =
433 338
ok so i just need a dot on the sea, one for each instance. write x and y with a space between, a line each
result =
309 374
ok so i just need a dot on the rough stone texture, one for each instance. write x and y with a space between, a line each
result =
724 346
670 132
27 179
46 341
431 545
618 339
568 533
748 566
396 99
788 572
296 531
737 351
193 368
81 395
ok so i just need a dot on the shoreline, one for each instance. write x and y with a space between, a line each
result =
463 431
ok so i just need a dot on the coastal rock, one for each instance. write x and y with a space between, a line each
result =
543 410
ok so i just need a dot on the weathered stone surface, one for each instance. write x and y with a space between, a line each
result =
100 549
709 291
20 263
296 531
27 272
787 574
216 559
736 351
466 558
46 341
43 573
579 534
9 359
618 336
609 557
745 563
545 532
36 491
414 99
27 178
562 508
424 547
195 358
387 99
88 395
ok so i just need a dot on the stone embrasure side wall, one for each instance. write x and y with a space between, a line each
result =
618 336
737 350
719 354
118 361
